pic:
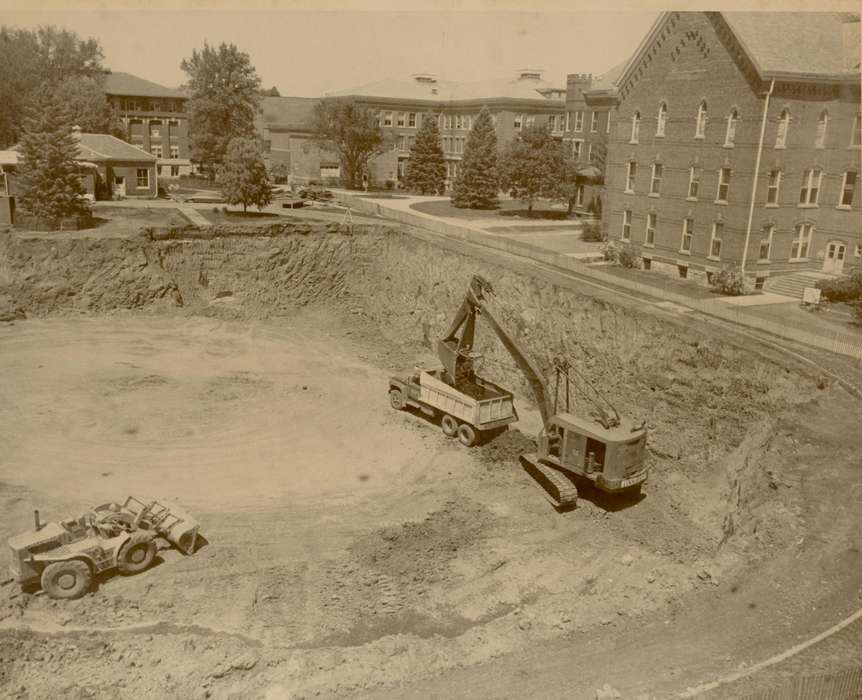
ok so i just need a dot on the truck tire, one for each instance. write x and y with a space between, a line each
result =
467 435
396 399
67 579
449 425
137 553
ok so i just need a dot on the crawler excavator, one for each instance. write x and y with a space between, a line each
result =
604 448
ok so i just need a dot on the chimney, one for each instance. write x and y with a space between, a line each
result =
850 40
76 132
577 84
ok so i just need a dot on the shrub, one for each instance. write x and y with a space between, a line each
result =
857 312
847 288
593 232
629 256
611 251
730 281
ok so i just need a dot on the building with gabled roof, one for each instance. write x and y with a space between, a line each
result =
737 142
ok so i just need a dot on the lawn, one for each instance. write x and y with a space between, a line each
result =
222 216
508 208
570 227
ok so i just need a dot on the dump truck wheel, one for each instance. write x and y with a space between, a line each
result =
467 435
449 425
396 399
67 579
137 553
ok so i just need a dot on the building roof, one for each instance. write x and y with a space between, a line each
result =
288 112
119 83
103 147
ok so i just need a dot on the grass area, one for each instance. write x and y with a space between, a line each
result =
135 218
507 208
688 288
557 243
381 195
570 227
220 216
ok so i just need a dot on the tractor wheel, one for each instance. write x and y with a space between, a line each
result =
449 425
396 399
67 579
137 553
467 435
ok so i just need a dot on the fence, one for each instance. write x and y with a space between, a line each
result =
848 344
834 686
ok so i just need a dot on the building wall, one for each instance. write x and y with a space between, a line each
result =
129 171
159 126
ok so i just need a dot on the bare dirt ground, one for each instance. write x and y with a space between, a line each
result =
356 551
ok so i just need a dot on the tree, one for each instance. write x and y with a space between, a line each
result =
242 175
533 166
350 131
426 169
224 100
279 171
89 108
476 185
568 185
32 60
49 179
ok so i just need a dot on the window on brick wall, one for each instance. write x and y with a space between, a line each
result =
579 121
568 121
626 233
649 235
519 121
631 172
411 119
723 185
576 149
715 240
730 133
693 182
661 123
175 151
848 187
783 129
401 119
552 122
700 125
766 242
773 187
809 192
156 151
636 127
801 241
822 124
687 235
387 119
594 121
175 171
143 177
655 180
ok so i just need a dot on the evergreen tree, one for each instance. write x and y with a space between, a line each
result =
89 108
50 182
477 185
533 166
242 175
426 169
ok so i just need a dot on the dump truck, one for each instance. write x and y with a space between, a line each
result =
65 556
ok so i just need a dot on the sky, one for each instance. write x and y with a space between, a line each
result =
310 53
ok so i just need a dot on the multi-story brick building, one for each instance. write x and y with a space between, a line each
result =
155 118
737 141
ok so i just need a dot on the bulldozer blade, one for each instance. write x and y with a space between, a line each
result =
180 529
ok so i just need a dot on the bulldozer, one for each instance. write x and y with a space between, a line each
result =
64 557
602 447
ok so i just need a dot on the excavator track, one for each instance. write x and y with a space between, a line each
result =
559 489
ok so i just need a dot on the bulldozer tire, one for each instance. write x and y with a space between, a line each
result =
137 553
449 425
467 435
396 399
67 579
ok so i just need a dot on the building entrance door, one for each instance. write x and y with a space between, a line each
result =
119 187
834 260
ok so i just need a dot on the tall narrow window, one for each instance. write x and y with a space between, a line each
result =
387 119
822 123
809 193
552 122
693 182
723 185
774 185
401 117
590 152
766 242
655 181
579 121
715 241
856 134
661 123
847 189
568 121
519 121
730 134
632 169
626 234
783 129
801 242
700 127
576 149
143 177
636 126
594 121
649 237
687 235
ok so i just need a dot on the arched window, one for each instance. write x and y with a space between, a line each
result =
700 128
636 126
730 135
783 128
822 123
662 120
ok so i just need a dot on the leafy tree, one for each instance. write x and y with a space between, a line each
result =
34 59
49 179
426 169
88 107
477 184
568 182
533 166
242 175
279 171
224 100
350 131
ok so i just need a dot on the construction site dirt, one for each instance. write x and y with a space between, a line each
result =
356 551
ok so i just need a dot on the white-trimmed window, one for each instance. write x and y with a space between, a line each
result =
143 178
766 242
156 151
848 187
783 129
402 117
822 124
4 184
631 172
723 185
594 121
576 148
579 121
773 188
655 180
175 151
715 240
175 171
856 134
552 122
687 235
387 119
661 122
519 122
568 121
693 182
626 234
411 119
636 127
801 242
730 134
700 126
649 235
590 152
809 193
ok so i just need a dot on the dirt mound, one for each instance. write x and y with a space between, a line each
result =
506 447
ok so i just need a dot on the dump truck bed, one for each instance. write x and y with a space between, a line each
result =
481 403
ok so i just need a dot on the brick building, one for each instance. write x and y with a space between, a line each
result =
155 118
736 127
